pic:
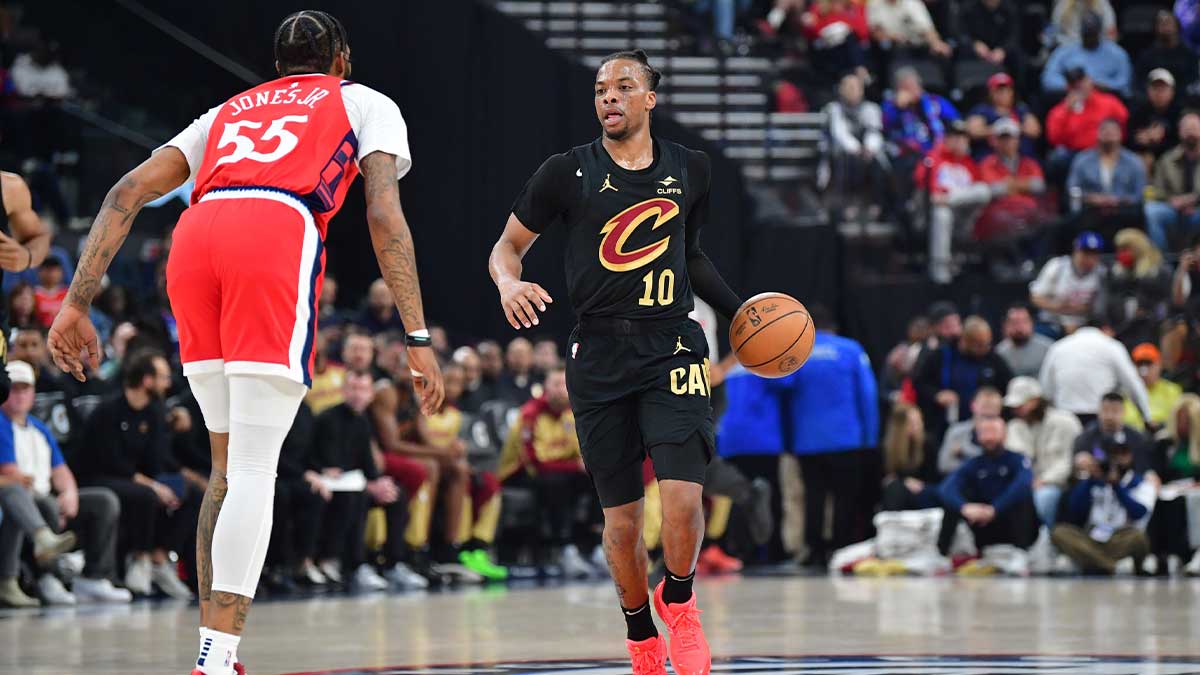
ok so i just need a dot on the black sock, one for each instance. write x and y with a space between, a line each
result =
677 590
639 623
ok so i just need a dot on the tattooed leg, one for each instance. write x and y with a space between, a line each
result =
625 551
214 496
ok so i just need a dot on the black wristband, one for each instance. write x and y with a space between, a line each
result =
418 340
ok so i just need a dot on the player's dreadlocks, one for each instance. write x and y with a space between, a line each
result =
307 42
653 76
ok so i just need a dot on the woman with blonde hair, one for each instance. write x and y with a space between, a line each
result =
1137 289
1176 457
910 472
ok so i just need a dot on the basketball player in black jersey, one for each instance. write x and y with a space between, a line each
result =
637 367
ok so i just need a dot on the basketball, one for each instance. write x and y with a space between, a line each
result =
771 334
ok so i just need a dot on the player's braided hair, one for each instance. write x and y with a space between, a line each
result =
653 76
308 41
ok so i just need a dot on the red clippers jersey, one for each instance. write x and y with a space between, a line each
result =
291 135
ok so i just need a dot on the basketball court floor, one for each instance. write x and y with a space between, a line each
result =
777 626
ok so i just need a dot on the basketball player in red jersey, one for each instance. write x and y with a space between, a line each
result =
272 166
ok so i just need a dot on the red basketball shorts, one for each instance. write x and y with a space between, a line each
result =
244 276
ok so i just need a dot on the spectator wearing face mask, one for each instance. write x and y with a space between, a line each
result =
1022 348
1173 210
1136 289
1164 394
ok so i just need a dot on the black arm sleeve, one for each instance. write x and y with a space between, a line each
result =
549 193
706 281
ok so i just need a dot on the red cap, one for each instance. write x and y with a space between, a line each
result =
1000 80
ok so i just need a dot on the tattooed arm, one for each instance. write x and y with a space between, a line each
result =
72 338
393 245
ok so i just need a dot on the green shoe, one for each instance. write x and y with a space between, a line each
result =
478 562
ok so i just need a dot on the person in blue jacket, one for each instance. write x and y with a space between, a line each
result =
993 492
833 413
750 436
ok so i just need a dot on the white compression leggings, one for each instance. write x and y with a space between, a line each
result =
257 411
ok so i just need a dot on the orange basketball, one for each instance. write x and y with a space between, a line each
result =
772 334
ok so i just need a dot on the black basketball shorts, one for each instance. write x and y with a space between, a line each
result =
638 389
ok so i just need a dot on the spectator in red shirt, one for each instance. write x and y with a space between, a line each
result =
50 292
1072 125
956 192
1016 182
837 32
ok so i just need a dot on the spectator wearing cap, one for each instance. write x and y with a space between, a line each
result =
1136 290
1163 394
1022 348
29 453
1154 121
1067 286
1107 183
948 378
1073 125
1103 60
956 193
1083 367
1045 434
1107 429
1002 103
1016 182
905 25
991 32
1168 52
1176 192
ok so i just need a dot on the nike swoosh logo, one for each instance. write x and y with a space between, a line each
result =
579 173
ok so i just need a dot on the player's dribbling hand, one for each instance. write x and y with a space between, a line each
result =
427 379
518 298
73 343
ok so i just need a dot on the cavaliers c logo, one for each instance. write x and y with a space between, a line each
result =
613 255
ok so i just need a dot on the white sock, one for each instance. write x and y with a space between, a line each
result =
218 652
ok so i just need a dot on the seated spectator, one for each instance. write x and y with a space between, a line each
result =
950 377
1168 53
474 393
1022 348
905 25
125 448
838 35
1173 210
379 314
300 499
1016 183
1164 394
1067 286
328 377
343 444
1136 289
1002 103
1187 274
50 292
857 153
1105 61
328 315
491 364
1177 450
1153 122
518 381
959 444
1044 434
1073 125
914 120
22 306
899 363
542 453
1108 429
1069 16
991 492
1107 184
28 452
61 401
39 74
1085 367
956 192
991 32
1107 514
909 462
546 357
724 16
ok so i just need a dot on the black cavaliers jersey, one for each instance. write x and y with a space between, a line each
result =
628 231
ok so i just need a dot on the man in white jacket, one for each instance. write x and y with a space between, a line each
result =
1045 434
1084 366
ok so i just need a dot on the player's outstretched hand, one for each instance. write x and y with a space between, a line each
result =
73 342
519 298
427 378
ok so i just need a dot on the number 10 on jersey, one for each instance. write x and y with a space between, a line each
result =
666 288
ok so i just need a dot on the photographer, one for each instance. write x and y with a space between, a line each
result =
1107 512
